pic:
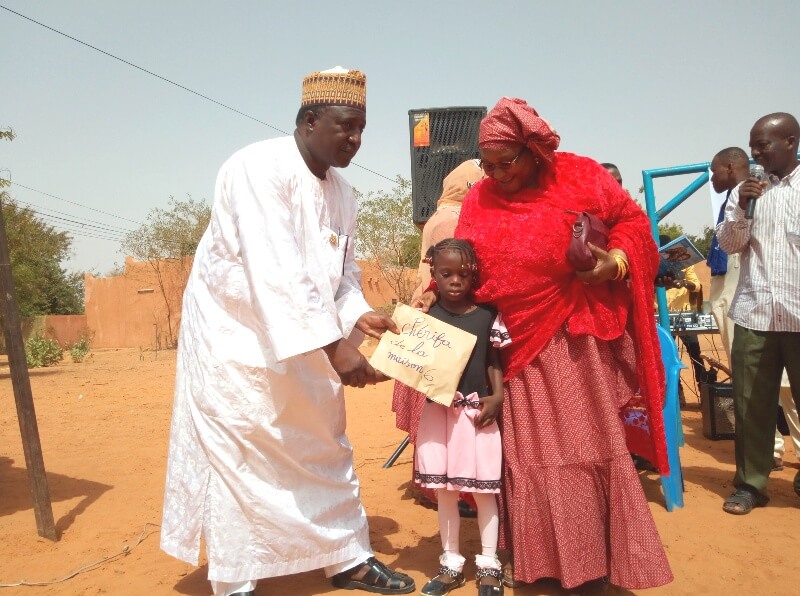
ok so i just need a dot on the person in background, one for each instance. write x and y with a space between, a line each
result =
729 168
443 222
766 305
680 299
792 424
614 171
259 465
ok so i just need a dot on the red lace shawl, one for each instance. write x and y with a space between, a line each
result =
521 247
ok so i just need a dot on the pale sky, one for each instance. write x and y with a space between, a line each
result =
642 84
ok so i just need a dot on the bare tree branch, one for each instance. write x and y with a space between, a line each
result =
388 238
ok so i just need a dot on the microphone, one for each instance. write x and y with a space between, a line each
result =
757 172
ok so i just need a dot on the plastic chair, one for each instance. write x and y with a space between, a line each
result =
673 429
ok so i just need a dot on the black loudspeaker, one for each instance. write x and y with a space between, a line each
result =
441 138
716 406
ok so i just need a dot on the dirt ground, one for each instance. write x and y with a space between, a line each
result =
104 426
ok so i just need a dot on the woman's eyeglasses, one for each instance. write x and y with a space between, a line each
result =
503 166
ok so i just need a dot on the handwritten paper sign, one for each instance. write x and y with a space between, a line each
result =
428 355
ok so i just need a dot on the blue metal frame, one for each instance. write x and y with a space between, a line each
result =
673 431
656 215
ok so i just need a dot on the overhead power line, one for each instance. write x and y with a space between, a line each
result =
138 223
171 82
87 235
151 73
79 227
73 226
72 229
106 227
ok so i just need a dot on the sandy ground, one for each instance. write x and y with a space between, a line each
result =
104 427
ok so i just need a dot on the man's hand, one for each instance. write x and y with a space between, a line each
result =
666 281
380 377
670 282
751 188
350 364
374 324
604 270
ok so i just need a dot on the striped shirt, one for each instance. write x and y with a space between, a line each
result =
768 295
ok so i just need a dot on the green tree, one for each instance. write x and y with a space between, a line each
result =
387 236
36 251
672 230
172 233
166 241
412 246
703 241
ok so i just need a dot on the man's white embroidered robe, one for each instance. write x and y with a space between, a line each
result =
259 464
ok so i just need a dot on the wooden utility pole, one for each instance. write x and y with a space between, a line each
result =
31 445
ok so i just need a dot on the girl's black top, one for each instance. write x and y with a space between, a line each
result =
477 322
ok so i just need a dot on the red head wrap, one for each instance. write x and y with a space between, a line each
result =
512 120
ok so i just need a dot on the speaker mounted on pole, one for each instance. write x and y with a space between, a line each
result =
441 138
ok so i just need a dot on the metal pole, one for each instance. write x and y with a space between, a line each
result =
393 458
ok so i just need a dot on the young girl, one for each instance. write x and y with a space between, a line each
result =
458 447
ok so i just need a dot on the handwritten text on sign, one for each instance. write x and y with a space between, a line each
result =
428 354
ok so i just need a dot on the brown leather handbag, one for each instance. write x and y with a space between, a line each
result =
587 228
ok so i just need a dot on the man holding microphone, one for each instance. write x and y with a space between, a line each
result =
766 306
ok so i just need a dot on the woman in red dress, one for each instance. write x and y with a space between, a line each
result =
583 343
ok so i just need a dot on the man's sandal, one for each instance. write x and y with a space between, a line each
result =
489 588
448 579
373 576
742 501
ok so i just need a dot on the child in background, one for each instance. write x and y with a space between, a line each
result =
458 447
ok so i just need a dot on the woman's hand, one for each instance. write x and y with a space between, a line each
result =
491 406
604 270
424 302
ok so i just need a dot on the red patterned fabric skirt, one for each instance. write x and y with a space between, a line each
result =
407 404
572 505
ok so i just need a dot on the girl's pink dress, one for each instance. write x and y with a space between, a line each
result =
452 454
